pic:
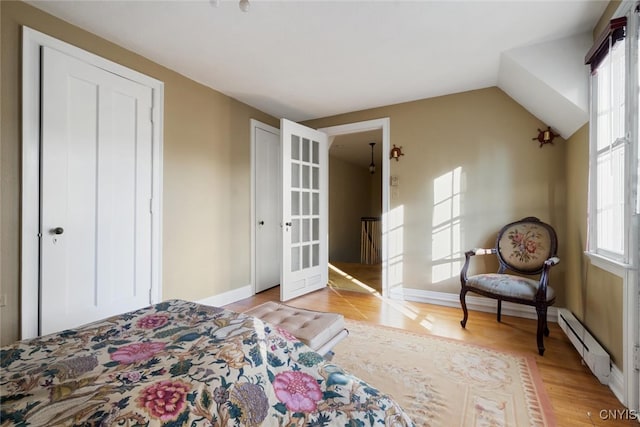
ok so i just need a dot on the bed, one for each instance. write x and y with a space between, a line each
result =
179 363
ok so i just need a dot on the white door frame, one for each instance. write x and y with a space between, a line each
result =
32 41
383 124
253 125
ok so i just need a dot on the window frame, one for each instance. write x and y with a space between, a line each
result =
608 260
626 388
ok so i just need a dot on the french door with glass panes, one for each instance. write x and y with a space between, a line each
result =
304 210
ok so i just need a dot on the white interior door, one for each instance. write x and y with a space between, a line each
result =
304 210
267 206
96 182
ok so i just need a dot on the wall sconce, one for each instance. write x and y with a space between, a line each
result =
545 136
396 152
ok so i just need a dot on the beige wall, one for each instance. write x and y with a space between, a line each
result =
593 295
505 176
577 193
206 206
349 199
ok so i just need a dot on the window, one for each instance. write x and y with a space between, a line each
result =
609 139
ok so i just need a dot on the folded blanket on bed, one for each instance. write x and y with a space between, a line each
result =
179 363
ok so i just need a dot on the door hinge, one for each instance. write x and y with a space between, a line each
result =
150 297
636 357
151 206
151 114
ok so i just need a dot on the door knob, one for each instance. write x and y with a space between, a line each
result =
261 223
57 230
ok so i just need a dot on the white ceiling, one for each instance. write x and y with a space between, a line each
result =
310 59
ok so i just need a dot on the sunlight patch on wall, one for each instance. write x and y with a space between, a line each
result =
445 236
395 241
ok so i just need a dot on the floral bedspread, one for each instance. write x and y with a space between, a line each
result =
179 363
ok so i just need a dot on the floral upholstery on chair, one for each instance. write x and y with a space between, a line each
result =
525 247
509 285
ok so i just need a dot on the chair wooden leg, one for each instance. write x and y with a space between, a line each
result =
542 326
546 327
465 316
499 313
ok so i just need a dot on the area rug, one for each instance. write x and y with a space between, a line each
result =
444 382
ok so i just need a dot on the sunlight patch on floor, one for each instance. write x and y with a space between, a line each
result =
398 306
353 280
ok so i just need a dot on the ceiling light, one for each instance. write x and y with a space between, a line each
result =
244 4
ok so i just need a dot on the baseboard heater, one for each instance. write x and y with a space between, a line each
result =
593 355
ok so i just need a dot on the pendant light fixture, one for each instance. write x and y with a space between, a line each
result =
372 166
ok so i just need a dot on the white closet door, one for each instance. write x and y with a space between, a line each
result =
267 193
96 176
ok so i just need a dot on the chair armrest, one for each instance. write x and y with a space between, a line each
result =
544 278
467 255
552 261
480 251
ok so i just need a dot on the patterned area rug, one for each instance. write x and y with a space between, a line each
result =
443 382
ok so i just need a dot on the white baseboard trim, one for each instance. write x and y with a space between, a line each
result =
473 303
228 297
616 383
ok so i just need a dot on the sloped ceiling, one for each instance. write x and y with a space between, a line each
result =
550 80
310 59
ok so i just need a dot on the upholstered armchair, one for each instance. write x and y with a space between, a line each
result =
527 247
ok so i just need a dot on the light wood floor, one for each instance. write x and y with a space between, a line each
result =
351 276
574 392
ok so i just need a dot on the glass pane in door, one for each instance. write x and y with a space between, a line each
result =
306 237
295 231
295 147
306 210
316 204
295 175
295 203
315 181
305 149
295 258
316 153
305 177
